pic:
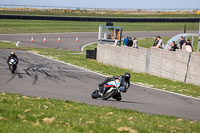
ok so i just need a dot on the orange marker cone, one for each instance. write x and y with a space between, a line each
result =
44 40
59 39
32 41
76 39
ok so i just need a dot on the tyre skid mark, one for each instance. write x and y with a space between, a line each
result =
13 76
35 79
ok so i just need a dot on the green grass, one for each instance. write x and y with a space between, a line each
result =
139 78
42 26
32 114
86 14
23 114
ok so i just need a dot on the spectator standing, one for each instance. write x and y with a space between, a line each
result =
135 43
160 42
181 43
155 41
173 46
125 42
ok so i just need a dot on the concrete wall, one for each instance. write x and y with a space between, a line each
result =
193 75
179 65
168 64
124 57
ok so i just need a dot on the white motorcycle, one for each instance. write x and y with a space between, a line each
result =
12 65
110 90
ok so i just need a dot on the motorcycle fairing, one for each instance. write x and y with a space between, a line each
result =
113 83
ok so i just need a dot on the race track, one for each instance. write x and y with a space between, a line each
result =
39 76
68 40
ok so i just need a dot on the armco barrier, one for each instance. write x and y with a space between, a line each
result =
180 66
99 19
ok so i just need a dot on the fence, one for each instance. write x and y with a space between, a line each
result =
97 19
180 66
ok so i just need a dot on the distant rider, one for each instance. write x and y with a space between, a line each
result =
124 84
12 56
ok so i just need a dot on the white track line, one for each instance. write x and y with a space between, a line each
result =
5 41
17 44
109 75
48 33
169 92
82 48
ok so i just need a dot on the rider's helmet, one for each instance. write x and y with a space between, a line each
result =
12 53
127 76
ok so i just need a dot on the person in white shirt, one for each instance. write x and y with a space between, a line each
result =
160 42
187 46
135 43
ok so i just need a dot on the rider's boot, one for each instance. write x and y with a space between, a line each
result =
101 90
117 96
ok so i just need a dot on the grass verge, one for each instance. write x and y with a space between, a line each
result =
34 114
43 26
139 78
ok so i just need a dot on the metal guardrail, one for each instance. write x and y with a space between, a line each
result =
98 19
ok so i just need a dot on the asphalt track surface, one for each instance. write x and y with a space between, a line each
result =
68 40
39 76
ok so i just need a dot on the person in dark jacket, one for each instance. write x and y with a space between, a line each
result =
173 46
12 55
130 42
182 42
155 41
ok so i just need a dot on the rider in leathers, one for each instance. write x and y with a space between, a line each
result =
124 85
12 55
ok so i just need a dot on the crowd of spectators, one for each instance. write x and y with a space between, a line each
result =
130 42
182 45
158 43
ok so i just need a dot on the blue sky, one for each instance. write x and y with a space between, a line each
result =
136 4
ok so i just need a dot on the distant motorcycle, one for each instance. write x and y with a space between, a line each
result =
111 89
12 64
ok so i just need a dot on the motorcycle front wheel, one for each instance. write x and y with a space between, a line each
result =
95 94
12 69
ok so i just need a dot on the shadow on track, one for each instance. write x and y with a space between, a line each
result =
131 102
